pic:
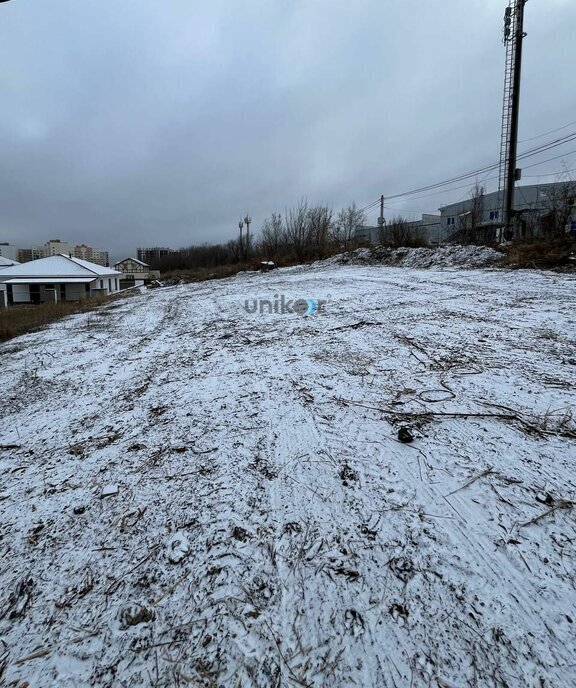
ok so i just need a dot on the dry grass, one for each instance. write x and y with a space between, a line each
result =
222 271
17 320
203 274
543 254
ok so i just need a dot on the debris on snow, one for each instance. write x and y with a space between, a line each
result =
324 553
177 548
405 435
109 491
134 614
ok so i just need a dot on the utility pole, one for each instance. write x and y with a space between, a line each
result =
513 40
381 220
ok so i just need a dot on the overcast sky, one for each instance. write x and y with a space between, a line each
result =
131 123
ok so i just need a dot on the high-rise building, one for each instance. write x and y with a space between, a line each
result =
8 251
93 255
51 248
24 255
56 246
153 255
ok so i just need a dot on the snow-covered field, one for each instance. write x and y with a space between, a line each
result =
194 495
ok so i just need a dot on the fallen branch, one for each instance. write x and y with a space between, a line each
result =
488 471
562 504
116 584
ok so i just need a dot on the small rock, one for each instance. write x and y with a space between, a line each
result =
404 435
78 510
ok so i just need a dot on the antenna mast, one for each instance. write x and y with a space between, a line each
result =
513 38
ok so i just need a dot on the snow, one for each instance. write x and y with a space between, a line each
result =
269 528
7 262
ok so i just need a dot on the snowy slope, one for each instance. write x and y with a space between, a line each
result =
194 495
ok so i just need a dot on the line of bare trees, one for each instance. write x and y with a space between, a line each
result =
308 232
304 232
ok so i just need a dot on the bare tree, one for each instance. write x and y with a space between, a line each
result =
470 223
561 199
319 219
400 232
296 222
344 228
272 235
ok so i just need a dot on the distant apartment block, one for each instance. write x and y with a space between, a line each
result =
153 255
92 255
54 247
8 251
25 255
51 248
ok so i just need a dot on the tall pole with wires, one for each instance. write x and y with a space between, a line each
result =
513 39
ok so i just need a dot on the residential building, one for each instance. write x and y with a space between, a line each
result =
135 273
24 255
153 256
93 255
8 251
53 247
56 278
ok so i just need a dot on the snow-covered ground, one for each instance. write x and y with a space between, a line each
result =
191 494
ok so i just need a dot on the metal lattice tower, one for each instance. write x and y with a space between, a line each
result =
508 175
509 44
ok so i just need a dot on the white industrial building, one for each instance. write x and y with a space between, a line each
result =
57 278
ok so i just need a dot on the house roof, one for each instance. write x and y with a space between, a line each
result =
60 266
7 262
134 260
50 280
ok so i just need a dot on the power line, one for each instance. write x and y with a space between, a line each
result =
553 131
557 157
487 179
550 174
549 145
488 168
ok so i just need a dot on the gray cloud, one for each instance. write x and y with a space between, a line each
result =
129 123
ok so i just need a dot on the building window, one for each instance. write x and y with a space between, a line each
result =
494 214
450 221
101 284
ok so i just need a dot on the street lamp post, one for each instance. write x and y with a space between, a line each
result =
241 224
247 220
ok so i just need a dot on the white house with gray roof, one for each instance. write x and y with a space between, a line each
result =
56 278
